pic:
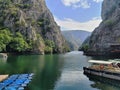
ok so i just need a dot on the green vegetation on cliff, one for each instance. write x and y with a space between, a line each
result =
18 43
9 42
49 46
5 39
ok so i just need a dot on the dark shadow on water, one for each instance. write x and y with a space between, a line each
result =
46 78
21 64
102 83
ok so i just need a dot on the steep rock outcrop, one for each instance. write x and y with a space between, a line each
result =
108 32
34 21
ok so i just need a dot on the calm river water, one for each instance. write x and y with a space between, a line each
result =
54 72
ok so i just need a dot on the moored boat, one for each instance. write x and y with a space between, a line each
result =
107 69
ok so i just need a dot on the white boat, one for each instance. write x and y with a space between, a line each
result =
107 69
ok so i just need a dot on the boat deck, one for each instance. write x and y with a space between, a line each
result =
16 82
106 68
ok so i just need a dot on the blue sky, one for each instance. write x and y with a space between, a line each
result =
76 14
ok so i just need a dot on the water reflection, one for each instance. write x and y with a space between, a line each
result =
47 69
46 77
3 60
55 72
22 64
72 77
103 83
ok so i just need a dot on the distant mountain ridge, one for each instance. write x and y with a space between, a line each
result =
75 38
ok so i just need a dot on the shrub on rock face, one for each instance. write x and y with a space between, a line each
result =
5 39
85 47
49 46
18 43
109 23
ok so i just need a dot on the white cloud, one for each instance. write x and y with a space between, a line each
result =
70 24
79 3
97 1
76 3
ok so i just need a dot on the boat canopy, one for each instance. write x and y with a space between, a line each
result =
100 62
115 60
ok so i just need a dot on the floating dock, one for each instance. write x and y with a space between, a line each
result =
16 82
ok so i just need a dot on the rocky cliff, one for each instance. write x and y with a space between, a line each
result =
108 32
33 20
